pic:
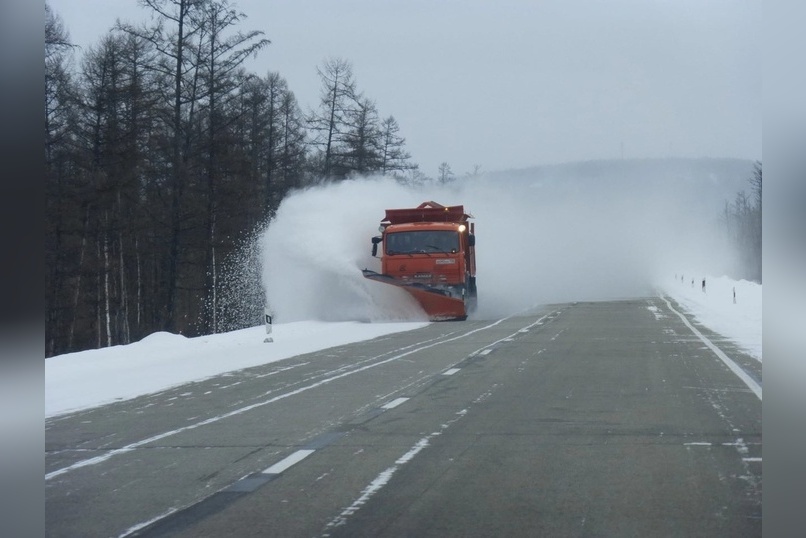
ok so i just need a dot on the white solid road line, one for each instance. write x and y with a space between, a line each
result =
735 368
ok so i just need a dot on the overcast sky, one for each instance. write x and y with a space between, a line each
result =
517 83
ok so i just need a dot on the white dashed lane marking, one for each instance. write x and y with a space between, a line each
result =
394 403
290 461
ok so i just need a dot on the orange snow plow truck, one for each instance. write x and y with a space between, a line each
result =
430 251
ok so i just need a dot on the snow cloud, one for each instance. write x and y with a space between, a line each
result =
555 235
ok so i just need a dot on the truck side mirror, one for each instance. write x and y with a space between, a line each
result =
471 240
375 240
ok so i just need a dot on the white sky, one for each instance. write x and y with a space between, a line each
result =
90 378
517 83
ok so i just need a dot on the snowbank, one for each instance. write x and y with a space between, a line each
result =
714 307
162 360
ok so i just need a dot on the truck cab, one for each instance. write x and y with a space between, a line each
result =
430 249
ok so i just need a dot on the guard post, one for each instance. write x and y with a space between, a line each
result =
268 317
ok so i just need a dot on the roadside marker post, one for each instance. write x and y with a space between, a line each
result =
268 317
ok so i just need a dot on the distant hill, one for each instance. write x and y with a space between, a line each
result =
706 183
673 167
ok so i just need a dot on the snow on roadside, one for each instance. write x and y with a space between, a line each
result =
160 361
86 379
739 321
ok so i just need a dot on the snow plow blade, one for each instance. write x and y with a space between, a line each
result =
438 305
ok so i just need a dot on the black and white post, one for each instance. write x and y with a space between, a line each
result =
268 317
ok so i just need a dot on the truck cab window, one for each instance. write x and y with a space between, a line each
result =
422 242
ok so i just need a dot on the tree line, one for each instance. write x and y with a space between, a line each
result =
162 152
742 220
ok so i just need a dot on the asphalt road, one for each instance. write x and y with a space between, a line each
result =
584 419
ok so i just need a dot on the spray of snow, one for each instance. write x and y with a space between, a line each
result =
539 240
315 248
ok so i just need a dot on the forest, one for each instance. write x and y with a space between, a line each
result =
163 154
742 220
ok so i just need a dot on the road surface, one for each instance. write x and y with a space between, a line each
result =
585 419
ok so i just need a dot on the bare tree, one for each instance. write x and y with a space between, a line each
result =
394 157
292 154
58 83
337 99
220 55
57 38
743 224
262 98
62 219
361 153
183 19
476 171
756 235
445 173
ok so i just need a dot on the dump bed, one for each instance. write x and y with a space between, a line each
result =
427 212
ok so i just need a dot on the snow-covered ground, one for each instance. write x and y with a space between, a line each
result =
87 379
162 360
739 320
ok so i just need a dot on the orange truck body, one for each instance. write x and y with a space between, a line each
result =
429 251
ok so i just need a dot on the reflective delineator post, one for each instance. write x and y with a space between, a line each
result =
268 326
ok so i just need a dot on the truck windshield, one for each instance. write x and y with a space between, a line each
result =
422 241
